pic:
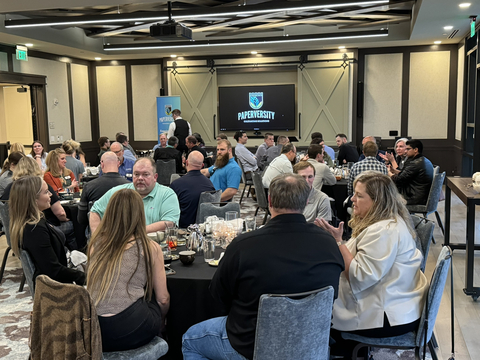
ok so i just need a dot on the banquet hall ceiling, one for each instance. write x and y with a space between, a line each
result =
100 24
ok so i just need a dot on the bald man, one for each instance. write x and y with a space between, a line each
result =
95 189
189 187
372 139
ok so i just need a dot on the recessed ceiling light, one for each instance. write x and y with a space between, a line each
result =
437 42
173 56
341 47
253 52
28 45
449 27
98 58
464 5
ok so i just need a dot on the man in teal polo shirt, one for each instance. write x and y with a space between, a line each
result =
225 174
160 202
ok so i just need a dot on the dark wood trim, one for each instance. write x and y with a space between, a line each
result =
452 95
157 61
131 127
70 100
165 76
255 69
22 79
93 94
358 69
405 94
10 62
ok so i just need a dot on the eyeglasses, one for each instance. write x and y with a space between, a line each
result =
408 148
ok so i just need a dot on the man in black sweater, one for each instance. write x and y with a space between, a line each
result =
264 261
170 152
346 151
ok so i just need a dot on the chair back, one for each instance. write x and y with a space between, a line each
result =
174 177
262 201
241 168
434 295
210 209
424 229
165 169
436 170
64 322
5 217
308 318
435 192
207 197
28 269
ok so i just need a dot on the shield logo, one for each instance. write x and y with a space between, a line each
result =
168 110
255 100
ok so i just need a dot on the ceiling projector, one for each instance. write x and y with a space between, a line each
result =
170 31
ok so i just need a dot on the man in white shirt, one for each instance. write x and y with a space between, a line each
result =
318 205
280 165
323 175
179 128
246 158
262 149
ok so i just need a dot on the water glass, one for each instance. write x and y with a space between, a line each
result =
231 215
167 255
217 231
172 238
209 250
250 223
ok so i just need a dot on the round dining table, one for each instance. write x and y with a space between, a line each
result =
190 299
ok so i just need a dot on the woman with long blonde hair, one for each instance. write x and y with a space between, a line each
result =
381 292
126 275
57 175
30 231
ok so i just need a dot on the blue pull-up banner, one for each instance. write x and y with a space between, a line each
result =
165 106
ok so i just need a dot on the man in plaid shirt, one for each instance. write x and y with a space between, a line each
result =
370 162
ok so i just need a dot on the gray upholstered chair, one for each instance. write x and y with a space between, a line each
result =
415 339
307 315
210 209
154 350
432 201
4 217
174 177
262 202
28 271
165 169
246 182
424 229
207 197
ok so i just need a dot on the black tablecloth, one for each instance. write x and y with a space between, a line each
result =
339 193
190 300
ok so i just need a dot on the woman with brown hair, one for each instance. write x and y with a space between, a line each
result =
126 275
7 169
57 175
39 154
30 231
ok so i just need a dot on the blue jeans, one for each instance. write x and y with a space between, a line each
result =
209 340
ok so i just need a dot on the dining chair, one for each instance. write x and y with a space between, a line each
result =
28 271
262 202
219 209
423 335
154 350
207 197
165 169
174 177
432 201
246 182
424 229
306 315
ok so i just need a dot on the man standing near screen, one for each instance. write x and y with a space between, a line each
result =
179 128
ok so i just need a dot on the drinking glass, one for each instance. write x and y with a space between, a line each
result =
231 215
250 223
209 250
172 238
217 231
167 255
229 233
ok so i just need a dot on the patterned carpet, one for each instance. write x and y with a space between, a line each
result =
15 309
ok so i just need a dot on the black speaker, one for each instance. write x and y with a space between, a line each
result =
360 99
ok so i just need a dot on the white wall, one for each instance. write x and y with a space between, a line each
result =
58 108
81 103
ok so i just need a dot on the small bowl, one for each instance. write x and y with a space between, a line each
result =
187 257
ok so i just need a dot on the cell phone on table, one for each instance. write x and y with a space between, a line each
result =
169 271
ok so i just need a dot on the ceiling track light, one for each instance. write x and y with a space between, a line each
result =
250 41
184 15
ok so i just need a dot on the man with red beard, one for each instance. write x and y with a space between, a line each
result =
225 174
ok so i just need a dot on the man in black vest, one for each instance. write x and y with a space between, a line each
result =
179 128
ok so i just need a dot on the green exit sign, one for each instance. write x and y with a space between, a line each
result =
22 53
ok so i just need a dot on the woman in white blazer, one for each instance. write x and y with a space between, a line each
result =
381 292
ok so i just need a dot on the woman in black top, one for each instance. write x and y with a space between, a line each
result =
30 231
